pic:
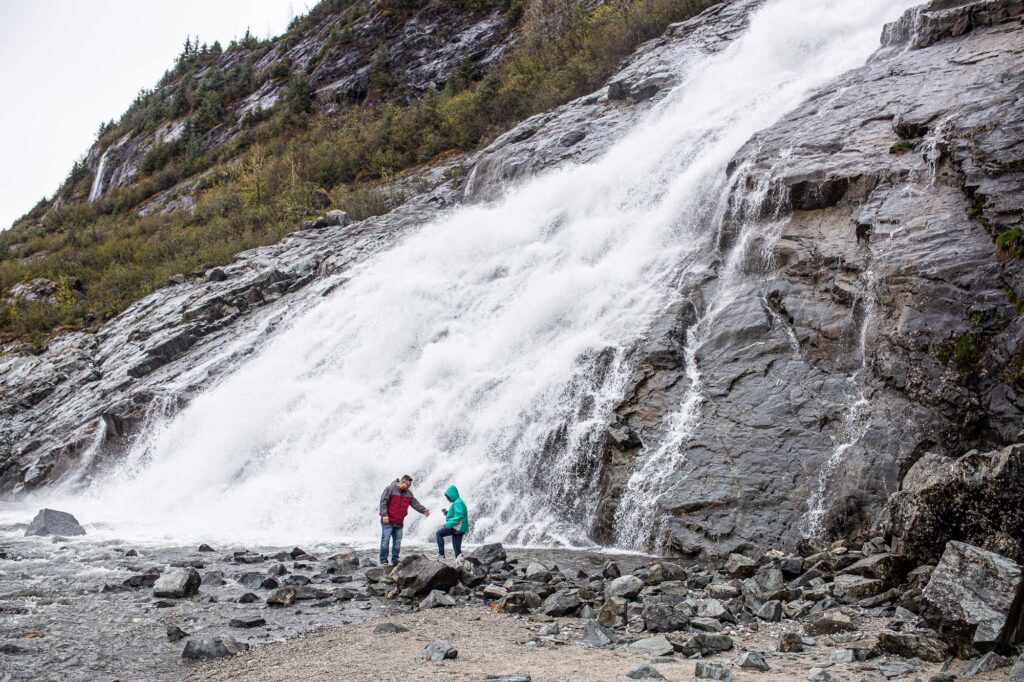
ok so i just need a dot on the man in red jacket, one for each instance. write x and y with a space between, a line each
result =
394 506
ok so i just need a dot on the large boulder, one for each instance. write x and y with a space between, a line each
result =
489 554
421 575
974 598
977 498
177 584
627 587
53 522
887 567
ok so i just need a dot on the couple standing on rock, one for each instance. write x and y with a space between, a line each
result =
394 506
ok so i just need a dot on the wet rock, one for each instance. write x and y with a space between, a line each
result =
791 642
248 598
205 548
627 587
645 672
611 570
178 584
597 636
852 588
284 596
209 648
653 646
752 660
389 629
53 522
147 579
739 566
987 663
968 499
421 575
493 553
561 603
247 622
913 646
213 579
436 599
437 651
175 634
974 597
712 671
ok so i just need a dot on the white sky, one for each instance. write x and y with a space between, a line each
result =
68 65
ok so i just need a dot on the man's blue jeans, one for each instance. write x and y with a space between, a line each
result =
442 533
392 532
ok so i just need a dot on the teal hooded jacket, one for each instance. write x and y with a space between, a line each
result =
458 515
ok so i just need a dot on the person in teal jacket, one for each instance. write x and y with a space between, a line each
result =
456 522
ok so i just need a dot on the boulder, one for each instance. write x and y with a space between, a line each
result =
596 635
974 597
247 622
852 588
830 623
561 603
611 570
989 662
613 612
739 566
421 575
707 643
653 646
208 648
645 672
493 553
437 651
713 608
891 569
977 498
752 660
770 611
436 599
627 587
538 573
175 634
910 645
177 584
821 675
711 671
53 522
791 643
1017 672
389 629
521 601
284 596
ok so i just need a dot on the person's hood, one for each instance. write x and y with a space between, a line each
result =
452 493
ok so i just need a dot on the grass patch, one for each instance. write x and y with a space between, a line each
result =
1010 244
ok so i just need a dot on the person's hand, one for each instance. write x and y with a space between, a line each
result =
444 511
385 519
426 512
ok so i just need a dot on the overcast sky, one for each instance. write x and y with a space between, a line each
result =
68 65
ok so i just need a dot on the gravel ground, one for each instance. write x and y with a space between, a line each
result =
493 644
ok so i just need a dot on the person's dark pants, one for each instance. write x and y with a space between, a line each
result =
392 532
442 533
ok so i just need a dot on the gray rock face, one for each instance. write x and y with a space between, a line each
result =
627 587
209 648
978 498
561 603
974 597
915 306
420 575
53 522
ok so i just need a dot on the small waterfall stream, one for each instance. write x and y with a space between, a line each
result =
489 348
96 191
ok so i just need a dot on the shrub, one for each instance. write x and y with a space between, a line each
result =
1009 244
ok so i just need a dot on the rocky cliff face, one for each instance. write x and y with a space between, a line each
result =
880 327
884 327
342 48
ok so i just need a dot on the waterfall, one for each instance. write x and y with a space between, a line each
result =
96 191
490 346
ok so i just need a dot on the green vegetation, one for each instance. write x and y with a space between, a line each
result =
902 147
259 185
1010 244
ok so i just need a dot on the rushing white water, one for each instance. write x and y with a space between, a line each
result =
96 191
487 349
